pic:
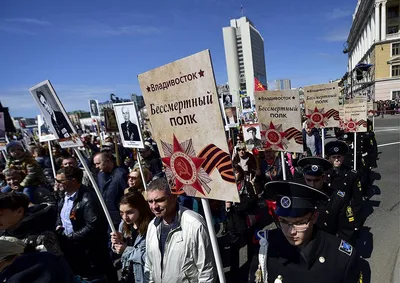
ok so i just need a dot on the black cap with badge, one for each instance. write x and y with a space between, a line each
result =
315 166
336 148
294 199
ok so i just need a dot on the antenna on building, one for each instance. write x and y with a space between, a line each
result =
241 9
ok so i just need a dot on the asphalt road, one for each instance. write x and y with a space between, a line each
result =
380 238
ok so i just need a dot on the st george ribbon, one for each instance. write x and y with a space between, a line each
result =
187 123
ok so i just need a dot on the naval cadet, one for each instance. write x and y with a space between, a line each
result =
342 177
298 251
361 166
336 214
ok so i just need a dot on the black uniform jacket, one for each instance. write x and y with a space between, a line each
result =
347 180
325 259
336 215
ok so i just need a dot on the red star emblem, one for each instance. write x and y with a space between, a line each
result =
185 168
316 118
273 137
201 73
350 125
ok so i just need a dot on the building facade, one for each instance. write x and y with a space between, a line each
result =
245 57
283 84
374 39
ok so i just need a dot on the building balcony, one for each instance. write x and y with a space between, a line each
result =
393 36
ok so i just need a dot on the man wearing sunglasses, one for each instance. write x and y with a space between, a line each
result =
82 228
336 216
298 251
344 178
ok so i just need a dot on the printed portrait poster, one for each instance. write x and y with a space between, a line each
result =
110 121
3 140
94 109
252 136
44 130
188 128
128 125
280 120
246 103
227 100
231 116
355 117
55 115
321 103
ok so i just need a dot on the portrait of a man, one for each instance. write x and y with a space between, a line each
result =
57 119
246 102
94 110
230 114
129 129
253 140
227 100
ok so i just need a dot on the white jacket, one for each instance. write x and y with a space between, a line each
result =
188 255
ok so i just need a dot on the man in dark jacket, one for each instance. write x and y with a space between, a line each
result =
298 251
312 142
336 215
82 228
112 182
33 225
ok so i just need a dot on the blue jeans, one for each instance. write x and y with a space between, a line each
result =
29 191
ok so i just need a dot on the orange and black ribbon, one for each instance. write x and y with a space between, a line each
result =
217 158
294 133
333 113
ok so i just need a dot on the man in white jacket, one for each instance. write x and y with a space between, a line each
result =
178 246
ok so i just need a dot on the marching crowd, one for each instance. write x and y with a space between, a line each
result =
54 229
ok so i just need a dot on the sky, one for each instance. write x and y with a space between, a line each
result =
89 49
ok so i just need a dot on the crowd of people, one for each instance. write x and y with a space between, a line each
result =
54 229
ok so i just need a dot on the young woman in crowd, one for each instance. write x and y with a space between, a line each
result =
130 241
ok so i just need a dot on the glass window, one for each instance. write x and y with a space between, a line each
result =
395 70
396 49
393 29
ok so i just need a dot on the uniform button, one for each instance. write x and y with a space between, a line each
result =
327 212
321 259
329 175
345 175
329 184
345 184
325 224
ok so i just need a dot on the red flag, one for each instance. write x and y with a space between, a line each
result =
258 86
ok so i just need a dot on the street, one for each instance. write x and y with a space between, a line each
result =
379 244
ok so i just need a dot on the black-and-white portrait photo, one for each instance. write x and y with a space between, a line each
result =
55 115
44 130
128 125
246 104
94 108
252 136
227 99
231 116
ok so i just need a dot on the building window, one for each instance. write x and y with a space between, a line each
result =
396 70
393 29
393 12
396 95
396 49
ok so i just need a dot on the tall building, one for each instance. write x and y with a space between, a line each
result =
245 58
373 48
283 84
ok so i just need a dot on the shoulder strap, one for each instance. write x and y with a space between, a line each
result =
263 256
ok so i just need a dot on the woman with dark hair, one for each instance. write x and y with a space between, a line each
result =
130 241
